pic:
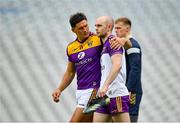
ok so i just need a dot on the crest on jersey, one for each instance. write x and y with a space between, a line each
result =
81 55
90 43
74 49
81 47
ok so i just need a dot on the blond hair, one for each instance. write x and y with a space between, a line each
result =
124 20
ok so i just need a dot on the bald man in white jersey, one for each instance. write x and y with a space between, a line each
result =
113 69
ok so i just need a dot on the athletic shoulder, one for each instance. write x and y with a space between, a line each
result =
93 37
71 47
71 43
135 49
135 43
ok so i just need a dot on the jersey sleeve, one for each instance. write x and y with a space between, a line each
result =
114 51
67 53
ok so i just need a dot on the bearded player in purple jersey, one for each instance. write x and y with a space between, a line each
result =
113 69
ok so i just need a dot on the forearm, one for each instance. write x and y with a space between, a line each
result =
67 79
112 75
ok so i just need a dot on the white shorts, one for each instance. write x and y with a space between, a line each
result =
83 96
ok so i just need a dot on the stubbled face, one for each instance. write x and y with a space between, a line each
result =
101 28
81 29
121 29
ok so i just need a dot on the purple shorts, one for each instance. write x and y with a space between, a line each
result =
116 105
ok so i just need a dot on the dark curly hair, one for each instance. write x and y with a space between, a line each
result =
76 18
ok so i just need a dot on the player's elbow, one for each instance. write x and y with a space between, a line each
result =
72 74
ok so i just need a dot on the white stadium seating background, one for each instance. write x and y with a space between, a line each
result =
33 39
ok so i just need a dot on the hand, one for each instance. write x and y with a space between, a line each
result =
117 43
103 91
56 94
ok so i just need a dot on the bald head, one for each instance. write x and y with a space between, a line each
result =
104 26
107 20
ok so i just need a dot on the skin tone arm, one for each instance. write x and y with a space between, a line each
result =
116 66
128 44
117 43
67 79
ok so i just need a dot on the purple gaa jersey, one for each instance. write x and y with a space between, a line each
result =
117 87
86 57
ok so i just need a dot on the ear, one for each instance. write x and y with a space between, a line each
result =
128 29
110 27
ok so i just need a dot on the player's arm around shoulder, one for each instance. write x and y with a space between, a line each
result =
117 43
66 80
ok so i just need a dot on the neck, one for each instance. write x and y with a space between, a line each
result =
82 39
128 35
106 36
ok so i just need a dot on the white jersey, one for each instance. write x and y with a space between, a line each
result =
117 87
